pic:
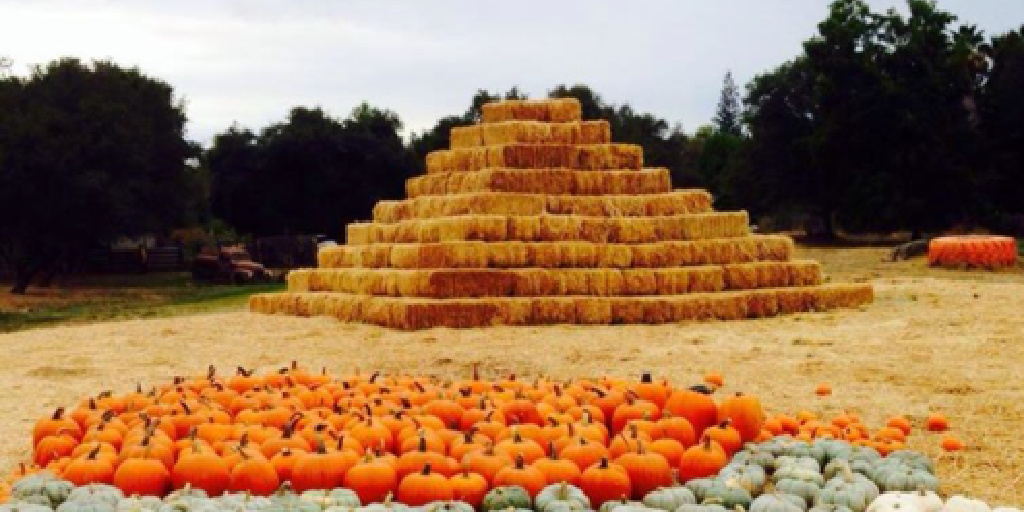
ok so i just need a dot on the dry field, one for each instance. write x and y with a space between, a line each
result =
933 341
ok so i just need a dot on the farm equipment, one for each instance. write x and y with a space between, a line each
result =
229 264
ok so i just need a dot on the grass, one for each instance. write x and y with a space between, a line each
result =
120 297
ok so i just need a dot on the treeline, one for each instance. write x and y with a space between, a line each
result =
883 122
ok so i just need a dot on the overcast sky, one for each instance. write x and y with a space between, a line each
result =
250 61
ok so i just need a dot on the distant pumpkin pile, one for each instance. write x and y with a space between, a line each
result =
419 440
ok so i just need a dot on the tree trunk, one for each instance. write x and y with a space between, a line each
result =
46 280
22 279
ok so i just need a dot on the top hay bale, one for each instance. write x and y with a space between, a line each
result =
561 110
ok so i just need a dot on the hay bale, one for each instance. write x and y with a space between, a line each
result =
473 254
746 276
676 202
525 282
553 228
558 110
542 181
536 156
421 313
530 132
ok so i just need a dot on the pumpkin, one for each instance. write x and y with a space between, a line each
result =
255 475
145 477
585 453
424 487
556 470
501 498
41 488
669 498
823 389
468 487
97 492
714 378
936 422
527 477
604 482
744 413
777 502
694 404
372 479
559 494
647 471
202 470
726 436
704 459
487 463
90 469
949 443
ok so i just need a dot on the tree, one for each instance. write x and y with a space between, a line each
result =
1002 120
88 153
728 116
868 127
312 173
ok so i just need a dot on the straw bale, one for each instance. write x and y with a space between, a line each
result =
747 276
466 136
536 156
460 283
543 181
558 110
553 228
474 254
420 313
510 203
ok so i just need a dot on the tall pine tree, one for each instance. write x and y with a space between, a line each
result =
727 118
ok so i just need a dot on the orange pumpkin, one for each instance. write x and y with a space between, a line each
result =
745 414
605 482
704 459
418 489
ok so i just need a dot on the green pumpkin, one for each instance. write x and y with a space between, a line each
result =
387 506
243 502
913 459
501 498
565 506
669 498
704 507
562 492
623 506
832 449
21 506
728 494
749 476
755 455
777 502
798 473
327 498
907 479
808 463
139 504
865 453
42 489
86 505
830 508
190 504
698 486
101 492
849 482
804 489
802 449
448 506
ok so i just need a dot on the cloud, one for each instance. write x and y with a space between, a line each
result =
250 61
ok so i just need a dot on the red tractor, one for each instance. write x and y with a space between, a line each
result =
230 264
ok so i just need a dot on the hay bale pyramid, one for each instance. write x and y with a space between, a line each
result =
535 217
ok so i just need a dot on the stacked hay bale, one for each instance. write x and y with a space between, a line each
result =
534 217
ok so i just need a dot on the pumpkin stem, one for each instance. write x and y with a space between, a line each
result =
604 463
57 414
373 378
476 371
520 464
552 454
426 469
645 377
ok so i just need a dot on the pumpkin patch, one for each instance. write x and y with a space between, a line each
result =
482 444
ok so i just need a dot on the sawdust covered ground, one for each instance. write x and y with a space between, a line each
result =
933 341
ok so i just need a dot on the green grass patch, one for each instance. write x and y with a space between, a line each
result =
106 298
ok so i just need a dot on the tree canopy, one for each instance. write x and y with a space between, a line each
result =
88 153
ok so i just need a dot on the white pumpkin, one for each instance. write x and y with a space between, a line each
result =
961 504
896 502
930 502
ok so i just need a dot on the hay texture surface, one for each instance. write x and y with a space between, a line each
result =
528 282
543 181
561 110
530 132
559 254
533 156
550 228
421 313
503 203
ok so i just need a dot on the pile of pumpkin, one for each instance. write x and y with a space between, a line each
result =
421 440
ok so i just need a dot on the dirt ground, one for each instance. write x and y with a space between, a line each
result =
934 340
